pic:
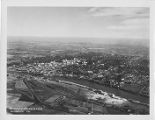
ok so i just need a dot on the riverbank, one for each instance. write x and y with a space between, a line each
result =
118 92
96 85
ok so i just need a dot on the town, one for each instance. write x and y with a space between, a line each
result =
121 72
105 70
78 60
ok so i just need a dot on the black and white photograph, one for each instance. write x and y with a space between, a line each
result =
78 60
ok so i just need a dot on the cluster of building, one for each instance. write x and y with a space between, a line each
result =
96 71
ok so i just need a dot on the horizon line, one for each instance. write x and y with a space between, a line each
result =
73 37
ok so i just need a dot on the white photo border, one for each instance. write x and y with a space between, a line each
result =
74 3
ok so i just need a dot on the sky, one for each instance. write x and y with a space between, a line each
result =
79 22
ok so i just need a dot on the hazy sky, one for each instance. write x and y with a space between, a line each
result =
102 22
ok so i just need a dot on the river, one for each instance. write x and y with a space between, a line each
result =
121 93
